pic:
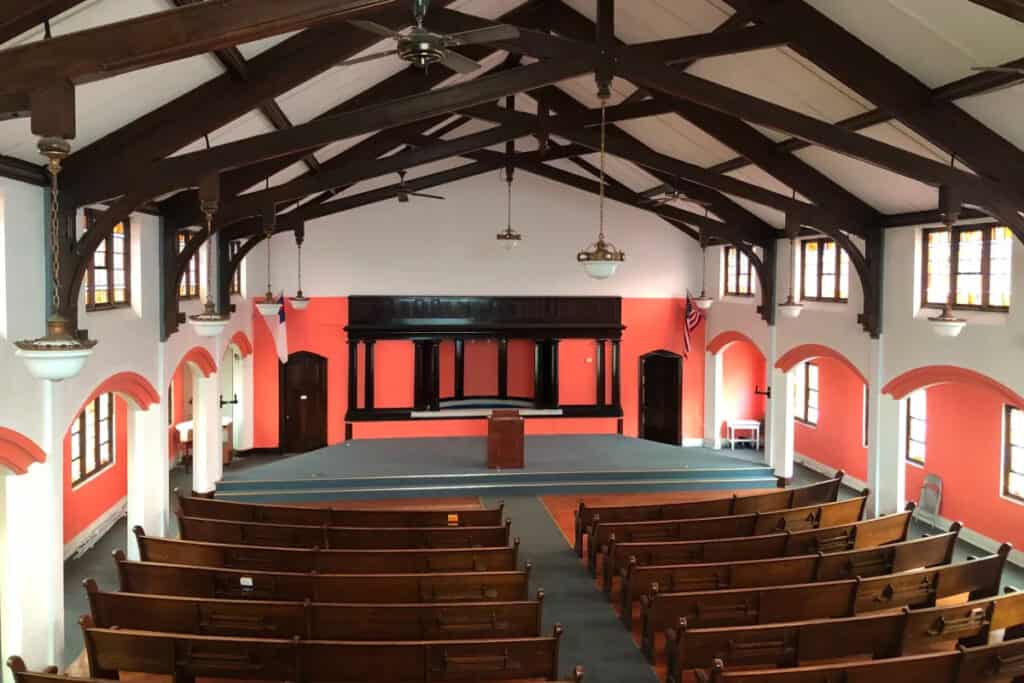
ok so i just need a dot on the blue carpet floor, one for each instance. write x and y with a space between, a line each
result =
594 636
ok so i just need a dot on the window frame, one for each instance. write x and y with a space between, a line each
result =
908 439
1007 459
954 258
840 252
806 399
188 287
85 474
731 290
106 247
235 286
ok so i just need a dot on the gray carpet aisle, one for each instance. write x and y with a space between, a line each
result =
594 636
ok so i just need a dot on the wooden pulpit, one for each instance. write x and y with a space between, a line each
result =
505 439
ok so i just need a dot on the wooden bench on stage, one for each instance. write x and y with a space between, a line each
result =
999 663
778 571
886 635
587 516
300 536
316 620
186 657
857 535
830 599
213 508
705 528
245 584
400 561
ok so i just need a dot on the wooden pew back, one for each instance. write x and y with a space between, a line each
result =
299 536
394 561
315 620
186 657
212 508
924 552
822 492
826 600
244 584
890 634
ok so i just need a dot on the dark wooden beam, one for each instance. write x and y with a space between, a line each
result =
1014 9
19 16
933 216
162 37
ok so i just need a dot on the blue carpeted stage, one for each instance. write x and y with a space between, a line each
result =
440 467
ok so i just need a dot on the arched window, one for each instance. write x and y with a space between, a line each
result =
92 439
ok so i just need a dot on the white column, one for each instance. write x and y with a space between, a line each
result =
780 421
713 400
32 601
207 463
148 479
769 370
887 425
245 385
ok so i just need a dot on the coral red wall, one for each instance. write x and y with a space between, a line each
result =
964 446
650 324
743 368
86 503
838 438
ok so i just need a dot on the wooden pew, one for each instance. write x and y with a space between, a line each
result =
889 559
735 526
822 492
825 600
857 535
300 536
186 657
401 561
315 620
246 584
212 508
1003 662
882 635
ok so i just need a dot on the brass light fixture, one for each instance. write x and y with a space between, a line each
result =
601 259
60 354
269 307
703 302
509 239
209 323
791 308
300 301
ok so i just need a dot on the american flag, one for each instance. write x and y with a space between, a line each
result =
692 320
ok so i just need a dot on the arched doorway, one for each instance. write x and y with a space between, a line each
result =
735 380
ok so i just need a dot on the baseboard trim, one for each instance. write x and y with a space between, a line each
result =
693 442
970 536
257 451
88 536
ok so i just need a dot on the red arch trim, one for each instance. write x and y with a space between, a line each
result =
242 342
798 354
202 359
930 375
725 338
130 385
17 451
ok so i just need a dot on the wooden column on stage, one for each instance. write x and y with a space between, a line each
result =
505 440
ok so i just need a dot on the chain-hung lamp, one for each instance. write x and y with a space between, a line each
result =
300 301
791 308
60 354
601 259
269 307
209 323
703 302
509 238
946 324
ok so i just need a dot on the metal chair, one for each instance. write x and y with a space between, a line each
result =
930 500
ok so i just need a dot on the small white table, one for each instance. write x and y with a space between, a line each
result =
751 427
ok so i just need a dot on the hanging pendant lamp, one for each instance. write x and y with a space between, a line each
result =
791 308
60 354
509 239
209 323
703 302
946 324
601 259
269 307
300 301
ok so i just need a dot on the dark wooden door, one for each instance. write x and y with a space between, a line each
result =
303 382
661 397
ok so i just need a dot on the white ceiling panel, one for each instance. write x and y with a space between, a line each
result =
1000 111
640 21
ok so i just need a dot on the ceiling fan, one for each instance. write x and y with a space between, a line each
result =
666 193
403 194
422 47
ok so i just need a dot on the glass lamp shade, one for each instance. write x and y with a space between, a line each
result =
209 323
947 324
268 308
509 239
299 302
58 355
601 259
790 309
703 302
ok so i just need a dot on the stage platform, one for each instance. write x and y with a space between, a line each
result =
444 467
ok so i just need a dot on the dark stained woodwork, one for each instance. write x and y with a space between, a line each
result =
602 381
505 445
1013 9
460 368
19 16
369 379
303 382
353 373
660 411
616 379
503 367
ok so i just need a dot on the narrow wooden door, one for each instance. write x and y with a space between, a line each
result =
661 397
303 402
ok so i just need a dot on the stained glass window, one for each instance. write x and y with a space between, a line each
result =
108 279
981 278
236 279
826 271
739 280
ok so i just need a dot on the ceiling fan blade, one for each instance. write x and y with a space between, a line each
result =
374 27
426 196
1000 69
459 64
491 34
368 58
